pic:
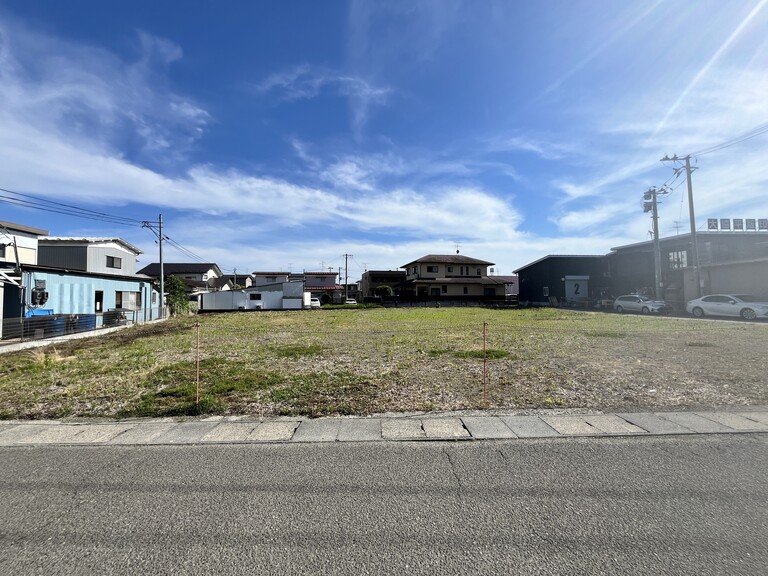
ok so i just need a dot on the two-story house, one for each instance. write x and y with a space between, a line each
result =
450 277
197 277
323 285
267 278
101 275
81 283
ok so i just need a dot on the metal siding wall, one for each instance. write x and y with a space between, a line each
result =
69 257
97 260
76 294
739 279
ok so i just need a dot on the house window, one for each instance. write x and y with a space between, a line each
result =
546 291
678 259
489 292
271 278
466 290
118 299
114 262
205 277
255 296
444 289
99 301
434 291
432 269
450 268
138 300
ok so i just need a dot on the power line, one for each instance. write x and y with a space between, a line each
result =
186 251
39 203
754 133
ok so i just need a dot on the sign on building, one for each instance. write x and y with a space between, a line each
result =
577 287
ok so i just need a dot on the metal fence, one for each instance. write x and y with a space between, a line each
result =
46 325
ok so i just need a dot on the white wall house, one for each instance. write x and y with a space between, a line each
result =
451 276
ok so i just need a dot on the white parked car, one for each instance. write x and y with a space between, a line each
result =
638 303
314 302
350 301
736 305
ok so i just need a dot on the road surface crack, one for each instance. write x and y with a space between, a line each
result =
453 467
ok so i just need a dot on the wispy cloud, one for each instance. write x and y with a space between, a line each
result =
616 33
704 70
89 95
304 82
547 149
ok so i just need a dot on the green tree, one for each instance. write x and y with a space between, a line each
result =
176 298
383 290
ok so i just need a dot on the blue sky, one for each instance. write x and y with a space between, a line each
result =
283 135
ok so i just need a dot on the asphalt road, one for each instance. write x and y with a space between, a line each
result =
653 505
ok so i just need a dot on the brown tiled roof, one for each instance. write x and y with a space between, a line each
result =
448 259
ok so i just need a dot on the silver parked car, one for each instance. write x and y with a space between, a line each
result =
736 305
638 303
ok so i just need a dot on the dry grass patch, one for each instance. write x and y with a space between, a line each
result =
368 361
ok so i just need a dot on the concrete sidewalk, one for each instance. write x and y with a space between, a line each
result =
478 426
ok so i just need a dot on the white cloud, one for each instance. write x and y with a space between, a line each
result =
628 144
88 95
303 82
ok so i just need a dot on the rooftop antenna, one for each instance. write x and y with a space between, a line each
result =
457 245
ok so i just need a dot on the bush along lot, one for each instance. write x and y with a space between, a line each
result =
368 361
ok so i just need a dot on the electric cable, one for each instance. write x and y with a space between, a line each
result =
38 203
754 133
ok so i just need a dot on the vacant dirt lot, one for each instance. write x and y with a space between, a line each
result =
375 360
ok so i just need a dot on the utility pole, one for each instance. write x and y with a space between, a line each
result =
694 242
162 272
346 276
650 204
159 234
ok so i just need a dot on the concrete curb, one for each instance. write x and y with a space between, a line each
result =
244 430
